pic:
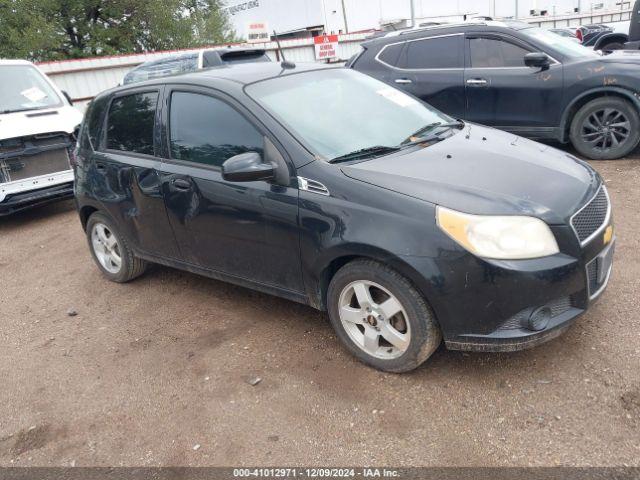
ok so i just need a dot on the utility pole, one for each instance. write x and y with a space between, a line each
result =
413 13
516 15
344 14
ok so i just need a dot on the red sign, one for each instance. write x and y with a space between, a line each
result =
326 46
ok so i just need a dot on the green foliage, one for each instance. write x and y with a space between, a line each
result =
60 29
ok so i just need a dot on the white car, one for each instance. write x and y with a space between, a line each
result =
37 124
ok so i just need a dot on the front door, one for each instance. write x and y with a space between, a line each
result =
246 229
502 92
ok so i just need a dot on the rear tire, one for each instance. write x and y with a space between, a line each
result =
380 317
605 129
110 250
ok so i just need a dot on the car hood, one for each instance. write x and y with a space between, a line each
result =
35 122
481 170
621 56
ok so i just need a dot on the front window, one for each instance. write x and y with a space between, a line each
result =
562 45
339 111
494 53
25 88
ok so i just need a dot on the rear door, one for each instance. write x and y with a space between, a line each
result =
430 68
243 229
502 92
124 172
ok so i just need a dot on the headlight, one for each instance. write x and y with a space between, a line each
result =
499 237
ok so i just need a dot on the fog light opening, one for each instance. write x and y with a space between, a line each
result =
539 319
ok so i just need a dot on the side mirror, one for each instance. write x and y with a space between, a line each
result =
247 167
68 97
537 59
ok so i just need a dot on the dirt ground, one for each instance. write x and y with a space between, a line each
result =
156 372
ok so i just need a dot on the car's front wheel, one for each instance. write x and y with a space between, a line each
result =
380 316
110 250
605 128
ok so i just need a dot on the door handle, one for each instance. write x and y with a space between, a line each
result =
101 167
477 82
403 81
181 184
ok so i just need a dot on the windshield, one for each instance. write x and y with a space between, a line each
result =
563 45
339 111
25 88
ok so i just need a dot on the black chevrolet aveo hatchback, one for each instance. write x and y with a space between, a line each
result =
330 188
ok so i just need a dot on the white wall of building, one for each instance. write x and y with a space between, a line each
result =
288 15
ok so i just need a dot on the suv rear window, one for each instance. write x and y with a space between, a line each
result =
438 52
130 123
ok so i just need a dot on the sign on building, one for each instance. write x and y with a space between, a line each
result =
257 32
326 46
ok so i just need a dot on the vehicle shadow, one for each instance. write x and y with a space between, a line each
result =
313 340
36 214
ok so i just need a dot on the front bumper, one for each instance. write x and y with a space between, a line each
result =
488 305
21 201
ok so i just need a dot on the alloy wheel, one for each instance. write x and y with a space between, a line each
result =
106 248
374 319
606 128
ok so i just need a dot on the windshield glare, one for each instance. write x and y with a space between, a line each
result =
340 111
24 88
562 45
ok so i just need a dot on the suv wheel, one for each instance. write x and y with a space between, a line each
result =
380 317
111 252
605 128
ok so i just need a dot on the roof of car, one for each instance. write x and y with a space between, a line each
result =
447 27
8 61
243 73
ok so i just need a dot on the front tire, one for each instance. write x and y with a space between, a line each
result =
605 129
110 250
380 317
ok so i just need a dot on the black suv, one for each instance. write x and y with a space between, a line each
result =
518 78
330 188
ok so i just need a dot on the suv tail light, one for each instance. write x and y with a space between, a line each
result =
579 34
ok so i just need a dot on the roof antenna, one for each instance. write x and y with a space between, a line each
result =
284 64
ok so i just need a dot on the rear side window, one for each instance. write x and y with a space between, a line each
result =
438 52
391 54
494 53
130 123
206 130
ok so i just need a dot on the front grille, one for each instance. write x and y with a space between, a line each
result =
28 157
592 216
520 319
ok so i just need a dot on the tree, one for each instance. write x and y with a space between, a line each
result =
60 29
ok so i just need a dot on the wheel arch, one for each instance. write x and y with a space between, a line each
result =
346 254
586 97
610 38
85 212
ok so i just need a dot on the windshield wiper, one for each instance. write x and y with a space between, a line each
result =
365 152
25 109
427 128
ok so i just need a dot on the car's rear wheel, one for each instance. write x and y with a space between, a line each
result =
605 128
380 317
110 250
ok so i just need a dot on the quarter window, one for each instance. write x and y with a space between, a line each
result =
391 54
439 52
494 53
206 130
130 123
